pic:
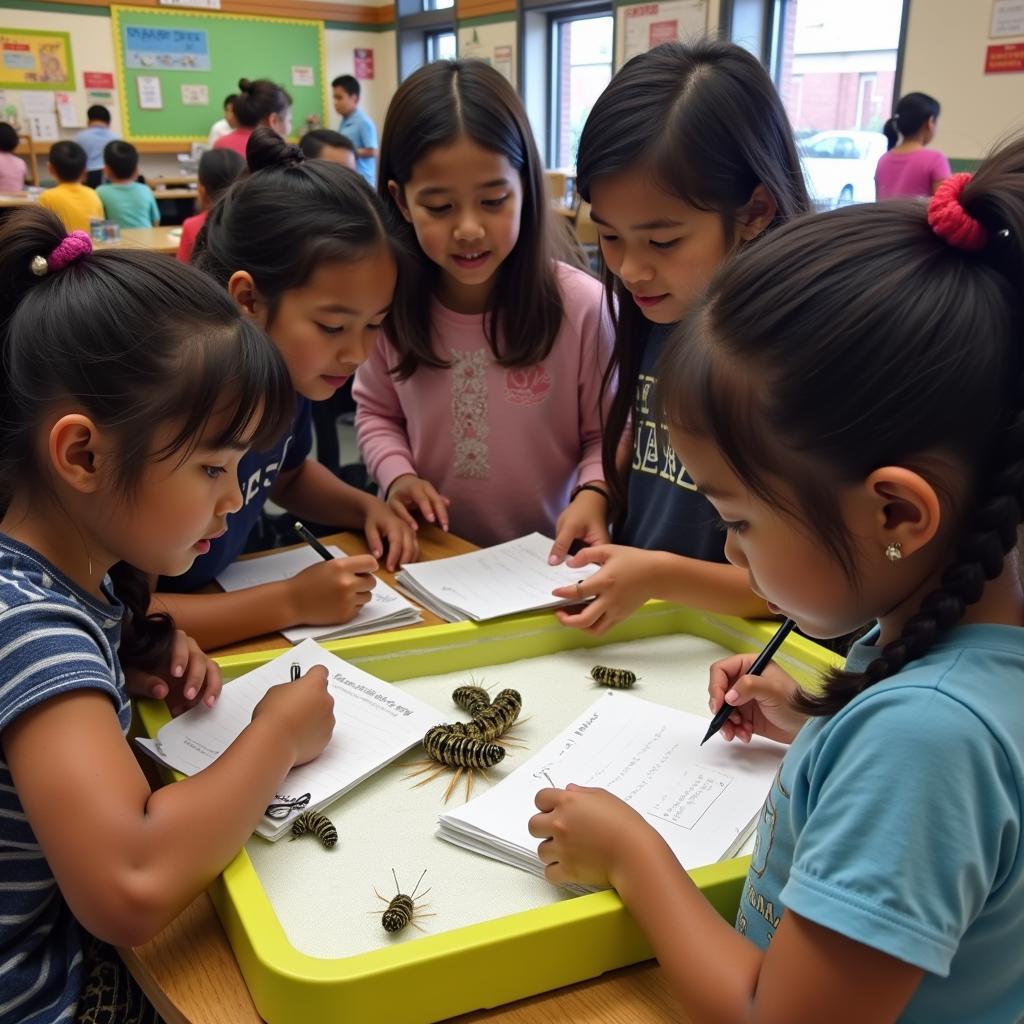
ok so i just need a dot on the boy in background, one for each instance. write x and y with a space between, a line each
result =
12 168
93 139
324 144
355 125
126 200
72 201
228 123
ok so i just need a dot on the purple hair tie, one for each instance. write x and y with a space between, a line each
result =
73 247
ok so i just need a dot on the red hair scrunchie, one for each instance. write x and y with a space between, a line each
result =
950 221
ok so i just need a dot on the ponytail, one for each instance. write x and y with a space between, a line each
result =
257 100
891 133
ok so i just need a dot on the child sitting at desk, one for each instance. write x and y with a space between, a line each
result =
218 168
75 203
126 200
12 168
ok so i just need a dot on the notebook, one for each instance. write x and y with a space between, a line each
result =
375 722
703 801
501 580
386 609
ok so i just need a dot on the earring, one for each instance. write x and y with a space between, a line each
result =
894 551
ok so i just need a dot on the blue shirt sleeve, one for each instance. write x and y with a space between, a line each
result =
368 134
907 807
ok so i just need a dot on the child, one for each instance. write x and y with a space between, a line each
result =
126 200
117 451
910 169
491 402
258 102
323 144
321 292
72 201
848 394
218 169
686 157
12 168
228 123
356 125
93 139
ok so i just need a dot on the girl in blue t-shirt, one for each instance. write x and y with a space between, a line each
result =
850 396
304 249
686 157
130 389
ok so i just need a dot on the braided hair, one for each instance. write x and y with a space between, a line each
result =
862 338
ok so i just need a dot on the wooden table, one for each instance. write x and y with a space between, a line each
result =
161 194
154 239
13 200
191 976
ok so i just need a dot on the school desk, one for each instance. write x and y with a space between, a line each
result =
155 239
13 200
190 973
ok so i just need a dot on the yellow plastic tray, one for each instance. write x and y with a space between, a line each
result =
494 962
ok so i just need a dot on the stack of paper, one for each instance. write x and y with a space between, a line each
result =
501 580
375 722
703 801
386 609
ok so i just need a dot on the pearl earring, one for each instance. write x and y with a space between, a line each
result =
894 551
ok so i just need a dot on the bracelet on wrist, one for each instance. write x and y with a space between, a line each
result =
596 488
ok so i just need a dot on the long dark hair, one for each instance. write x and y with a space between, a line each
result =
706 122
858 339
257 100
438 104
319 211
137 341
911 115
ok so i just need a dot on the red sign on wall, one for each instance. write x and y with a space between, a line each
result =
1008 57
363 59
98 79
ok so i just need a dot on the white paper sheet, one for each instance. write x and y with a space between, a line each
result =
375 722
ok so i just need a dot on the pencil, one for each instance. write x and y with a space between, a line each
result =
760 664
296 670
313 542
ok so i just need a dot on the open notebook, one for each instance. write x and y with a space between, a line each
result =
704 801
501 580
375 722
386 609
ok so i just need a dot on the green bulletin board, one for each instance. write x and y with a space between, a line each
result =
217 50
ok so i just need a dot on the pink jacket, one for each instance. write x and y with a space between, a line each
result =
505 445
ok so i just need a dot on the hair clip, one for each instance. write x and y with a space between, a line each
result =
39 266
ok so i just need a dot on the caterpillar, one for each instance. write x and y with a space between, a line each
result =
401 909
319 824
616 678
496 719
451 745
472 699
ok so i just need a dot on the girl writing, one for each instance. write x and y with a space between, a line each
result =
321 292
686 157
116 455
489 403
868 466
257 102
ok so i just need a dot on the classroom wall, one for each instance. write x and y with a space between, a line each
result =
945 57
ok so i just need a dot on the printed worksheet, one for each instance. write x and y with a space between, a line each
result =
703 801
375 722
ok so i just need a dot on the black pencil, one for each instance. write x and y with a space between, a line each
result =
313 542
296 671
760 664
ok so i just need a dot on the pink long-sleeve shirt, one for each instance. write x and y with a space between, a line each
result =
505 445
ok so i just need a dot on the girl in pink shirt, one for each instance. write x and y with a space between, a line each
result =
910 169
259 102
481 408
218 168
12 168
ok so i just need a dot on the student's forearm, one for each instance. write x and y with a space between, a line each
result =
710 967
214 620
709 585
315 493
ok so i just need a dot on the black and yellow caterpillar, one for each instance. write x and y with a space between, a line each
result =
616 678
319 825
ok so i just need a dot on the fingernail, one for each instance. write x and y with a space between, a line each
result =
731 697
552 559
178 671
210 701
189 694
377 552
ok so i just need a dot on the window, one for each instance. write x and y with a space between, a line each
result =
581 67
437 5
439 45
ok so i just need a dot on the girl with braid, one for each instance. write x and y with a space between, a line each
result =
850 396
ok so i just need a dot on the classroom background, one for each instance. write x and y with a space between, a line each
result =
839 67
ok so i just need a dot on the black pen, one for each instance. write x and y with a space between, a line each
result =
296 670
760 664
313 542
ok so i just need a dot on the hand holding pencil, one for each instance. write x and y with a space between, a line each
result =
334 589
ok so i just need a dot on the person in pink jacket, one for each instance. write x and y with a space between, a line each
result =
481 409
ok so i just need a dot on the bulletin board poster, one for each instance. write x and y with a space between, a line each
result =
166 49
36 60
647 25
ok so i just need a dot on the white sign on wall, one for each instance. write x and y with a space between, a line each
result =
1007 18
647 25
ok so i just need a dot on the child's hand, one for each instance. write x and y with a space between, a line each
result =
409 492
402 546
188 674
619 587
587 834
333 591
762 702
585 519
304 710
